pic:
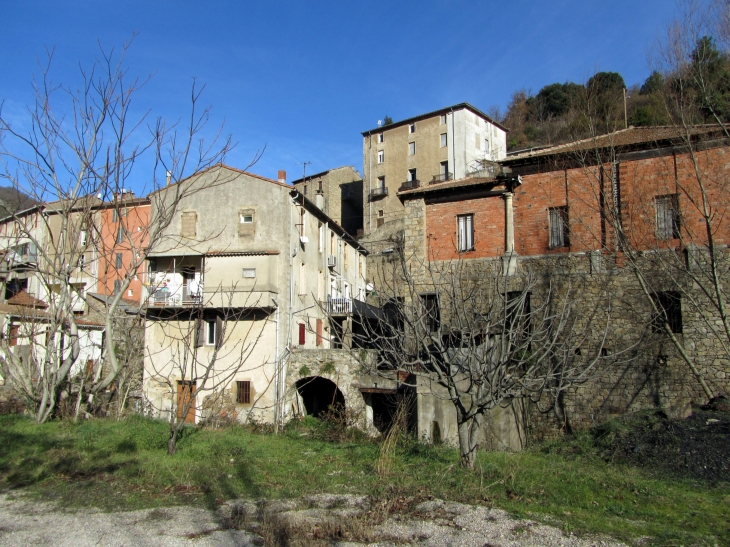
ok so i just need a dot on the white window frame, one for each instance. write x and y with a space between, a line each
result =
210 332
381 138
411 128
444 140
381 156
249 273
246 219
442 120
465 232
412 148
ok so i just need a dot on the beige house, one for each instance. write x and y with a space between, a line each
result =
340 192
245 273
441 145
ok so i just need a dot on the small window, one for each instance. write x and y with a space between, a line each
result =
115 215
243 392
412 128
381 156
120 235
83 236
443 119
486 146
412 175
380 220
558 227
465 233
443 140
210 329
669 304
130 292
249 273
667 217
117 286
319 186
411 148
246 219
380 137
119 261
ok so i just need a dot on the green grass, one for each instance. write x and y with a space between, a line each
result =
124 465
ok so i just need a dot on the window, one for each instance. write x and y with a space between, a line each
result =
380 220
302 334
411 148
443 140
243 392
486 146
119 261
380 137
210 333
442 121
412 128
130 292
320 237
412 175
117 286
82 261
381 156
667 217
381 183
669 304
444 170
120 235
249 273
83 235
246 221
431 314
188 223
151 266
465 233
558 227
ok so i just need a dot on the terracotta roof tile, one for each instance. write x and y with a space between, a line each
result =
24 299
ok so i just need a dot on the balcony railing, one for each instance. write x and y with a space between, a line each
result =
443 177
339 306
410 185
178 298
376 193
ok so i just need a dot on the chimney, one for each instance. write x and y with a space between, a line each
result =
168 176
282 176
319 201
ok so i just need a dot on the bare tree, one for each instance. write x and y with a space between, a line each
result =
84 144
481 339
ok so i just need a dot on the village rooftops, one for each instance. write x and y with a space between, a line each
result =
444 110
322 173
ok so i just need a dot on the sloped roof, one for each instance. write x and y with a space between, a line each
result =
24 299
631 137
412 119
222 166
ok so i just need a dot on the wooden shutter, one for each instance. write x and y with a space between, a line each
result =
302 334
186 397
319 332
199 333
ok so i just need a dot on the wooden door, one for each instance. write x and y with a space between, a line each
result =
185 395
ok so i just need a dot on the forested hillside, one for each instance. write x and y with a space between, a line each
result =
561 112
13 200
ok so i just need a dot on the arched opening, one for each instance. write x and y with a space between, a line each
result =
319 395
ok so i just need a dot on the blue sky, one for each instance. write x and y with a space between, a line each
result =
305 78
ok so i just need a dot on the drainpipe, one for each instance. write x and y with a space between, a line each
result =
453 142
277 364
370 182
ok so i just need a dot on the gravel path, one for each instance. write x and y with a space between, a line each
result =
25 522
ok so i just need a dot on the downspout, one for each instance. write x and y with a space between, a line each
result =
370 182
452 143
280 366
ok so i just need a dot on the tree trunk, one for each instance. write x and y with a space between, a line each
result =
172 442
467 446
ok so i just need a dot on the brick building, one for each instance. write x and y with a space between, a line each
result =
632 204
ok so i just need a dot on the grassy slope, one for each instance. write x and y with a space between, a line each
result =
123 465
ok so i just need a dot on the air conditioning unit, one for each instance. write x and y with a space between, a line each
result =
331 261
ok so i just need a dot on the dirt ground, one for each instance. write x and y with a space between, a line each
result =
304 522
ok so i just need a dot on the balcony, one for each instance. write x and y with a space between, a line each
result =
443 177
180 297
377 193
410 185
339 306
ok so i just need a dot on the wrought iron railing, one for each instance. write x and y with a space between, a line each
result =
378 192
339 306
441 178
410 185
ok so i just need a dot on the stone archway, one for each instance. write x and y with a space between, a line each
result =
319 395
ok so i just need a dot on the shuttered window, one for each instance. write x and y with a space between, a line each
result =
667 217
188 226
302 334
559 227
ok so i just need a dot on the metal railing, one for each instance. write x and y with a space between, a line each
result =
185 297
378 192
443 177
410 184
339 306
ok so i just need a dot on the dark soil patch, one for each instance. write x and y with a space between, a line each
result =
697 447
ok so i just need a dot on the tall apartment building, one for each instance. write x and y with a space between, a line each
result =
441 145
